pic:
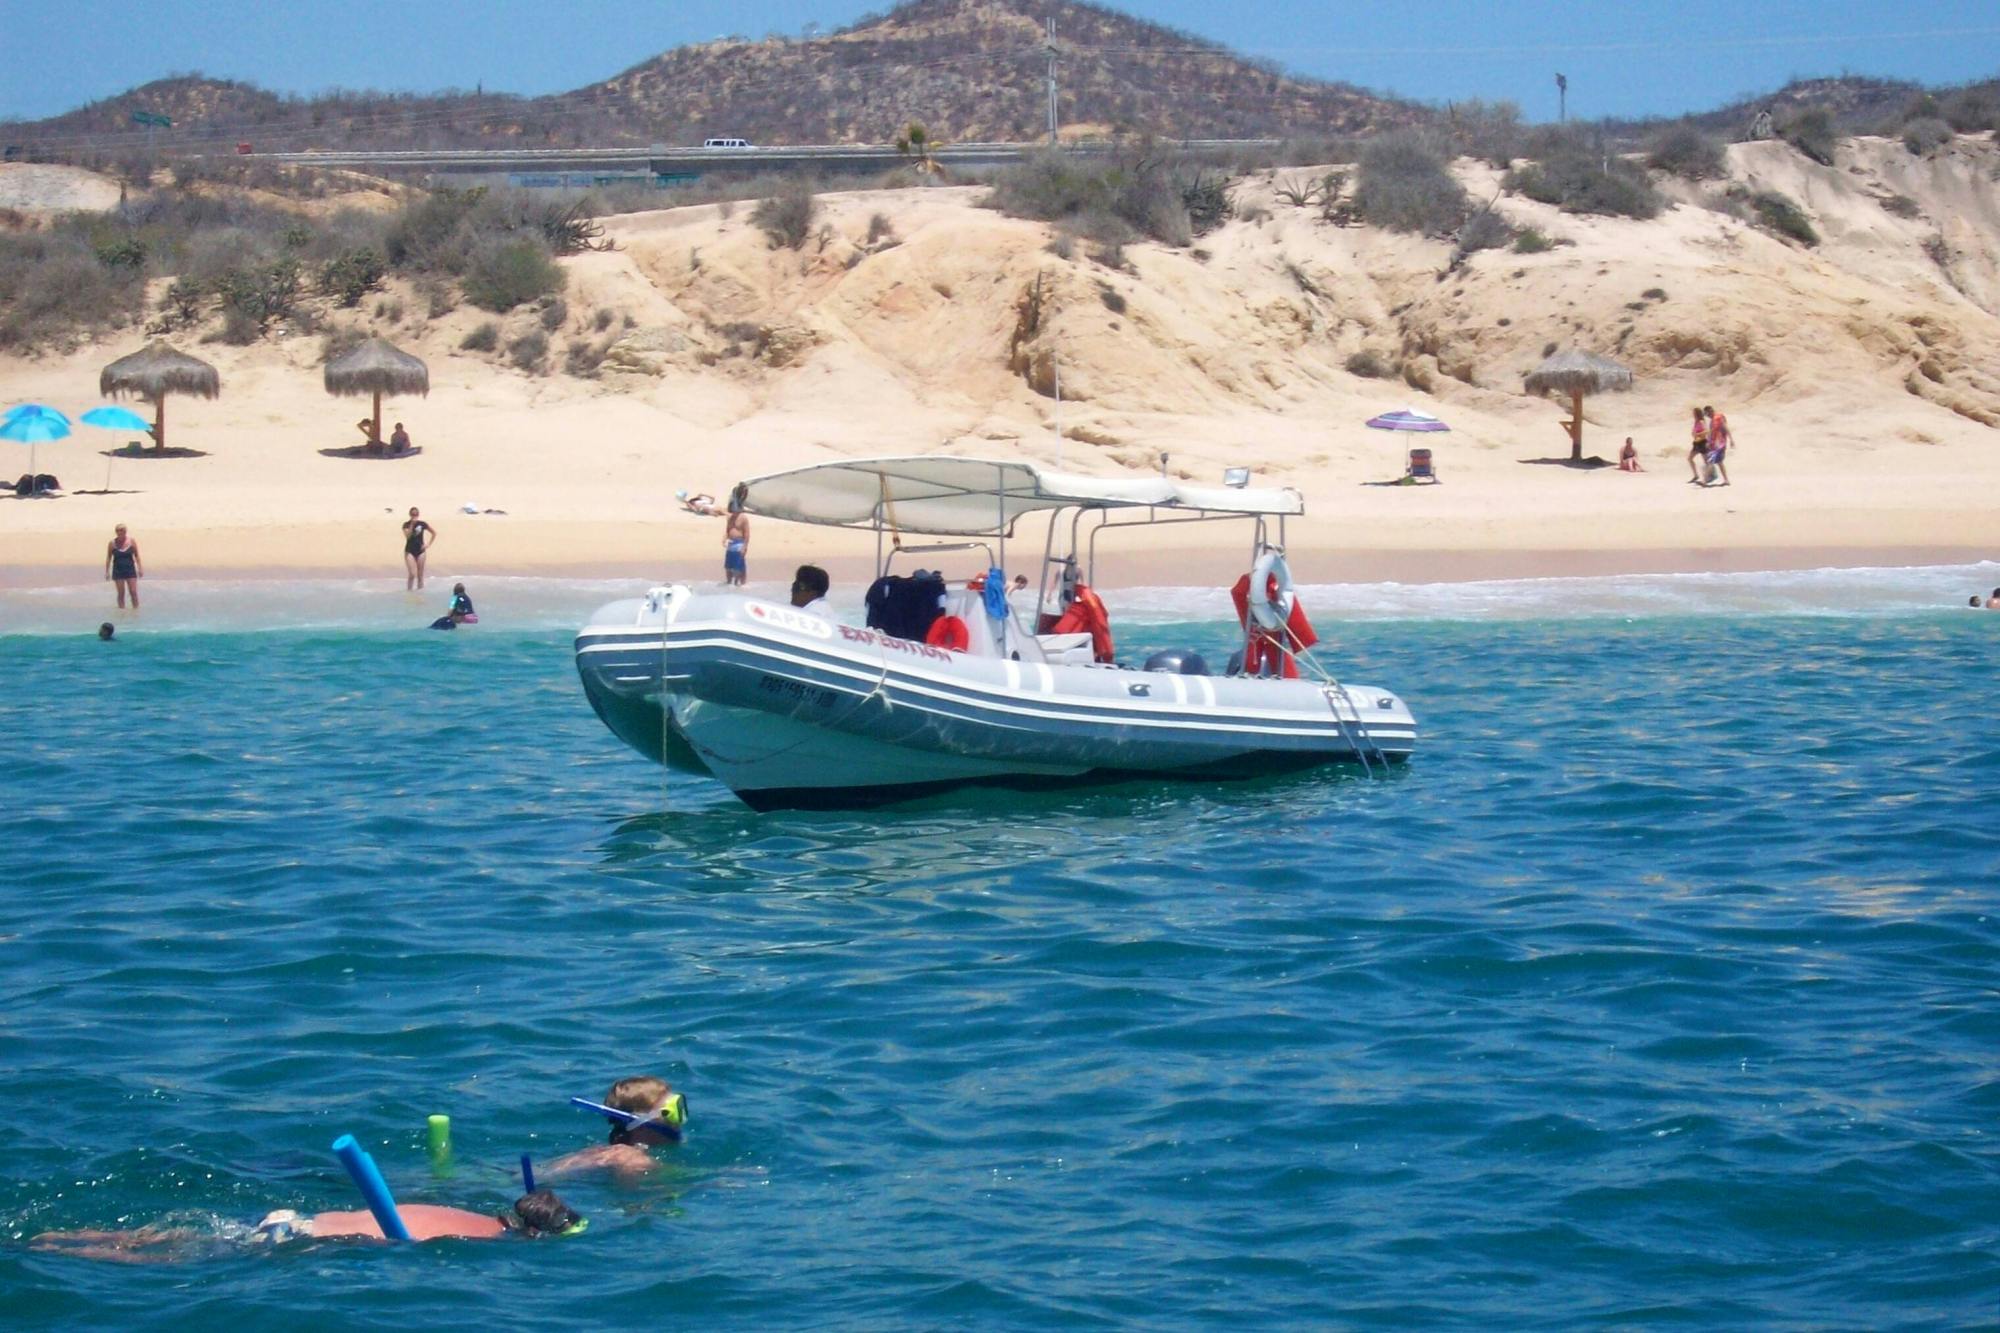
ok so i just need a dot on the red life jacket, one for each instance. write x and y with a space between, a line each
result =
1272 648
1087 613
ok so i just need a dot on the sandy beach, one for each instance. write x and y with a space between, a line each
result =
1859 379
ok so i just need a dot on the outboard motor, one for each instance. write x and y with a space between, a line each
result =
1178 661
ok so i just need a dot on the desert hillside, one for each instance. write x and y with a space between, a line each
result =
970 69
1862 376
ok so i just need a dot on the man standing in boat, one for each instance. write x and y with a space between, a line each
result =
736 542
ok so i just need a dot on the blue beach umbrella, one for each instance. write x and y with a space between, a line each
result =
31 424
115 418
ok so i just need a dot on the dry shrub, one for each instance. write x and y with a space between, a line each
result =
786 218
1144 189
511 271
1926 134
1811 132
53 289
1404 185
1684 150
485 337
1579 176
1783 216
529 351
1370 365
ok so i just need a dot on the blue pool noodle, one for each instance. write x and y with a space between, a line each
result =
527 1175
373 1188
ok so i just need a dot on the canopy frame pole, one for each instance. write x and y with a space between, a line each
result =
1575 426
160 421
375 432
1000 508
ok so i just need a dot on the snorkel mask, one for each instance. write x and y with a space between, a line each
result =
666 1120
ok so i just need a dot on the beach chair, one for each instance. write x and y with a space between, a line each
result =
1421 468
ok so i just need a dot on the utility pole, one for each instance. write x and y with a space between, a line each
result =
1562 98
1055 373
1051 47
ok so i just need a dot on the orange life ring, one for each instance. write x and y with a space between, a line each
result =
1274 649
949 632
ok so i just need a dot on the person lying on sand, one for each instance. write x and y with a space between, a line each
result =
627 1151
698 504
539 1214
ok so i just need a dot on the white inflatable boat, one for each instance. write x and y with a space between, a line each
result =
790 708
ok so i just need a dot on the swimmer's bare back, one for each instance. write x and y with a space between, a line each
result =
426 1221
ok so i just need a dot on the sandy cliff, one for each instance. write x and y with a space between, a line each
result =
1862 378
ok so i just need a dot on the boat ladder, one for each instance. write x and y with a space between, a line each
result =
1354 730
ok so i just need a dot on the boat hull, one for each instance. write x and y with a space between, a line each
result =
789 709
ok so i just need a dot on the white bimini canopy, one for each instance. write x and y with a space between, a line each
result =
978 497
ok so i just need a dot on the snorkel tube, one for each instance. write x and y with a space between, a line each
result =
368 1179
666 1121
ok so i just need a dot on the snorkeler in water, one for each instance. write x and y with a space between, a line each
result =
541 1213
652 1114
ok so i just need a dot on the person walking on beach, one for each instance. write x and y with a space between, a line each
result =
1698 447
736 542
418 538
1719 440
123 566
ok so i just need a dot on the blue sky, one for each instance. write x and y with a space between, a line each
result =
1621 59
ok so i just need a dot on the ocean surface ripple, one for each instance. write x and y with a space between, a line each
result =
1658 989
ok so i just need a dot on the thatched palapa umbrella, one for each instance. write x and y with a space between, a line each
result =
1576 374
154 373
377 367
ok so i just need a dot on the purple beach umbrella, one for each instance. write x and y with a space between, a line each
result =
1407 419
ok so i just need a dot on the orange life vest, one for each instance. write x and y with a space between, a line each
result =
1087 613
1272 648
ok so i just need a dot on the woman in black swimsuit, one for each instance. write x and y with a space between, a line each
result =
418 536
123 567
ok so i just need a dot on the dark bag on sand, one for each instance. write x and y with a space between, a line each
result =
31 483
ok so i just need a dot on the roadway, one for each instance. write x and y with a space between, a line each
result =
663 160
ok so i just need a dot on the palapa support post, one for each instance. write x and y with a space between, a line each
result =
375 368
153 372
1575 374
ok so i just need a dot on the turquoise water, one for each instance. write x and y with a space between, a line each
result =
1658 989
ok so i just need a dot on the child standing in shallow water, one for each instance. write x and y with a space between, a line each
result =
123 566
